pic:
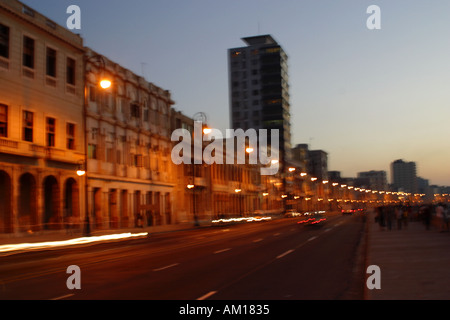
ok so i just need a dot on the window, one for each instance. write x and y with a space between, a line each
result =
92 151
50 132
27 126
4 41
3 121
28 52
70 71
70 134
51 62
135 112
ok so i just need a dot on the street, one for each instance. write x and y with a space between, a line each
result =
272 260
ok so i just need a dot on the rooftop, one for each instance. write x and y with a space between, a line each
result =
258 40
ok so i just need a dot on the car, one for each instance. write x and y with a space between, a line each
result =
292 213
348 209
314 219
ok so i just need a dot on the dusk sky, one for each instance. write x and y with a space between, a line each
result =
367 97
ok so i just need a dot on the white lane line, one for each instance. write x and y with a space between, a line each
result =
223 250
63 297
166 267
276 234
285 254
312 238
206 296
258 240
326 230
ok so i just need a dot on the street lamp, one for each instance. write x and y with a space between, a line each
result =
238 191
198 117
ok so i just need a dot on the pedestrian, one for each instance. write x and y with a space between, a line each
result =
390 216
399 216
380 218
426 214
140 220
441 214
446 214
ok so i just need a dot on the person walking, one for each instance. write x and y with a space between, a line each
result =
390 216
426 214
442 215
399 216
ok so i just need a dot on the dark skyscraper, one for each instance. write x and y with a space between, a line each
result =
404 177
259 89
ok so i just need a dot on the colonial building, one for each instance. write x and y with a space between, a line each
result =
41 121
129 169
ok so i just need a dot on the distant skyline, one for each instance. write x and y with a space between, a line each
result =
366 97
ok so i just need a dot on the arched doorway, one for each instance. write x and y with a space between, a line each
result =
6 225
71 203
27 207
51 216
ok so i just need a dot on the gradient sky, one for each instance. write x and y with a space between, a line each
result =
367 97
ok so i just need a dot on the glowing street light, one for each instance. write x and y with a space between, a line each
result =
105 84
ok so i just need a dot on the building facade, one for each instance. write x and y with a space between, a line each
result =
377 180
129 169
41 121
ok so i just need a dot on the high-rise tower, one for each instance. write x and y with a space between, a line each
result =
259 89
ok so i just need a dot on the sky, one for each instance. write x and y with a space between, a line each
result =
366 97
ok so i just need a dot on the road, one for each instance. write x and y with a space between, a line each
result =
274 260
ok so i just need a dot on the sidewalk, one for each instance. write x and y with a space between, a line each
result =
414 262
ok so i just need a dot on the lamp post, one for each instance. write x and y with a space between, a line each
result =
198 117
104 84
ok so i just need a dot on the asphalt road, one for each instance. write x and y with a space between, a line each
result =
276 260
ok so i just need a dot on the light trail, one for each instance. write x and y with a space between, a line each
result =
54 244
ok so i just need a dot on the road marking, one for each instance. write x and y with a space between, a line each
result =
276 234
63 297
326 230
166 267
312 238
285 254
223 250
258 240
206 296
